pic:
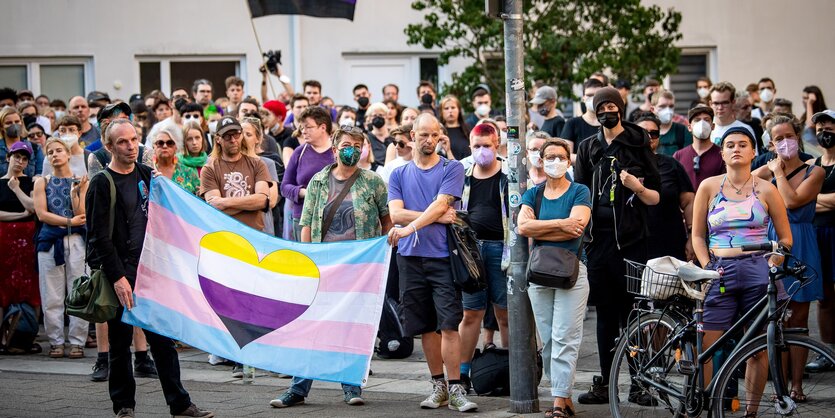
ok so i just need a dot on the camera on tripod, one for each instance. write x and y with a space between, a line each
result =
273 60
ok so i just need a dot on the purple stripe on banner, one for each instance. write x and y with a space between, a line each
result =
248 308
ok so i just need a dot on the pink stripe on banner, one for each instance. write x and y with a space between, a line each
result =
171 229
299 334
362 278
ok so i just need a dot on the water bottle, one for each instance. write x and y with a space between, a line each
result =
249 374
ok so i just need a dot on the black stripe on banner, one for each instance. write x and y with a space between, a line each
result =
317 8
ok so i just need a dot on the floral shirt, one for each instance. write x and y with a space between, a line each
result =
187 177
370 200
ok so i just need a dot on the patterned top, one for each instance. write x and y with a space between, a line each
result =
187 177
58 196
369 197
734 223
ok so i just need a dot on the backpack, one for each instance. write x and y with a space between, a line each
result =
23 327
490 371
393 345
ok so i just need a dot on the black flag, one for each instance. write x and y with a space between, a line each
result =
318 8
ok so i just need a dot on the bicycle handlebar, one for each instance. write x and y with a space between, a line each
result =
765 246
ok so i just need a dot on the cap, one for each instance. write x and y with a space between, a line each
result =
623 84
107 112
480 86
227 124
24 92
606 95
278 108
698 110
544 94
828 113
95 96
134 97
739 130
21 147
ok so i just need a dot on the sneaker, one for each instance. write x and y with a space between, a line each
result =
286 400
125 413
145 368
194 411
101 371
597 394
238 371
458 399
76 352
466 383
820 364
439 396
352 397
641 397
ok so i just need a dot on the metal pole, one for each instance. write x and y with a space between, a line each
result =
524 397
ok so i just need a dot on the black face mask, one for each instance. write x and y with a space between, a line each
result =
608 119
13 131
378 122
362 101
426 99
544 111
826 139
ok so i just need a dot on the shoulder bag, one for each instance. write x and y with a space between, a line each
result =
551 266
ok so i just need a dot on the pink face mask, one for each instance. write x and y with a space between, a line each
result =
364 154
787 148
483 156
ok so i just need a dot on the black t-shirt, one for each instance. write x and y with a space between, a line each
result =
826 218
668 234
577 129
9 201
485 208
379 147
132 200
291 142
459 142
283 137
553 126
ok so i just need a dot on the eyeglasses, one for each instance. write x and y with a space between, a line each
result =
726 103
696 161
181 96
304 127
33 135
194 116
654 134
169 143
249 114
557 158
231 135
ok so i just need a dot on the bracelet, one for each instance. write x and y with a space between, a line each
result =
642 191
413 228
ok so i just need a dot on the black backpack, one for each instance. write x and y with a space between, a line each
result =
393 344
490 371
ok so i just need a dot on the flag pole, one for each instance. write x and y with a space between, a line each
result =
261 51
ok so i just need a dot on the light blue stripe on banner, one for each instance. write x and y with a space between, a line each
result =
198 213
312 364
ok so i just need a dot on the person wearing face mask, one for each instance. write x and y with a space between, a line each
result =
556 213
771 154
674 136
578 129
671 220
11 132
703 85
742 108
363 98
546 104
620 170
481 102
536 173
702 159
798 184
68 130
767 94
377 131
825 228
650 87
344 203
484 199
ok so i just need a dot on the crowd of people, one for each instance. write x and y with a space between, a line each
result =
621 180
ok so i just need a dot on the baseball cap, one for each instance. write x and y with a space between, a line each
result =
544 94
828 113
95 96
738 130
227 124
698 110
107 112
481 86
278 108
22 147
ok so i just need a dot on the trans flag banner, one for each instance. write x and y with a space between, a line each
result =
307 310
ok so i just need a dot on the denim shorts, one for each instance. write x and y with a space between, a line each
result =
746 281
491 253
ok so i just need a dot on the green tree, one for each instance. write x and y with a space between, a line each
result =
565 41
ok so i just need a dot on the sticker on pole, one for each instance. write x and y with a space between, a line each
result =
517 84
514 148
512 132
515 199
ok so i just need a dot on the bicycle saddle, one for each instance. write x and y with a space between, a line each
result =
691 274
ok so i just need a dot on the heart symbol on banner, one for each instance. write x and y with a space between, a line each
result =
253 296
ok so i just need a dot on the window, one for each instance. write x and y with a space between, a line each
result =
691 66
63 80
429 71
58 78
14 76
167 74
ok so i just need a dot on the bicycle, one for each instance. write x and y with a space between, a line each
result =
659 359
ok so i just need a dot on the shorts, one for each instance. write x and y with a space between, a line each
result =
746 281
429 300
491 253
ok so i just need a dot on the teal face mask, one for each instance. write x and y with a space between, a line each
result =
349 156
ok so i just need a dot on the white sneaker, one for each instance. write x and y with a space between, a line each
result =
439 396
458 399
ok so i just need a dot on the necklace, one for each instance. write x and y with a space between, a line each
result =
739 189
231 167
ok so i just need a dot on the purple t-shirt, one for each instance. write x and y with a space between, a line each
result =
418 188
710 163
303 164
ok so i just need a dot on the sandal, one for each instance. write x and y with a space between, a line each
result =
556 412
56 351
76 352
797 396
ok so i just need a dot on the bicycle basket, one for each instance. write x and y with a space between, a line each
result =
657 279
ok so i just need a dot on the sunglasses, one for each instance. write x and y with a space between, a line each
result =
169 143
654 134
402 144
696 161
230 136
35 135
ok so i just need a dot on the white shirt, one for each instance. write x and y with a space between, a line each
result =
386 170
78 166
720 130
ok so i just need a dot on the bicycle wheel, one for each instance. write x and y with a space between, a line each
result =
819 388
641 341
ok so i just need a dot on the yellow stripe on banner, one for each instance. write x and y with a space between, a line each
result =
287 262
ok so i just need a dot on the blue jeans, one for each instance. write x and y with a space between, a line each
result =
491 253
301 387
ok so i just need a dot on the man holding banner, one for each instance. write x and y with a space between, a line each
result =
118 254
343 203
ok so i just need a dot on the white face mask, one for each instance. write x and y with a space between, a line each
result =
59 114
766 137
503 137
69 140
766 95
590 105
535 159
213 127
482 110
665 115
346 122
93 120
701 129
703 92
556 169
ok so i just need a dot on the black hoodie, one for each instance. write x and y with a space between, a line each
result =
617 209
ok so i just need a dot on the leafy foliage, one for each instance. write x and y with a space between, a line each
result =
565 41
